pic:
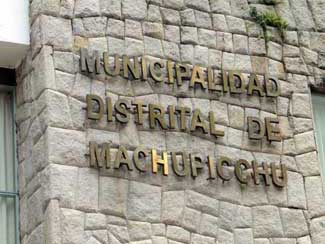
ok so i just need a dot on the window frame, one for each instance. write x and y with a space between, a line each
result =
9 194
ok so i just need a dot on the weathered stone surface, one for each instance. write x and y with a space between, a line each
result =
153 47
304 240
190 219
197 239
87 190
178 4
113 195
294 222
63 61
317 230
178 234
267 221
236 25
133 29
172 33
207 38
256 46
134 9
302 14
95 221
45 72
225 237
219 22
301 105
85 8
139 230
171 50
170 16
159 240
189 35
308 164
72 230
154 30
236 117
115 28
224 43
202 203
240 44
112 8
52 223
144 202
296 191
187 17
305 142
239 8
172 207
56 32
202 5
158 229
66 147
243 236
315 196
220 6
203 20
208 225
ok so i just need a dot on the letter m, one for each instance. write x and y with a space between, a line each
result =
99 158
89 64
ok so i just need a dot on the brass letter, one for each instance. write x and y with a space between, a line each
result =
121 107
197 77
172 117
212 168
122 157
182 71
232 81
239 171
183 111
134 68
196 164
270 90
140 153
213 130
155 70
257 172
99 159
175 164
156 113
273 132
255 85
221 162
170 66
117 68
139 111
225 81
109 107
88 64
155 161
90 113
211 83
256 129
198 122
284 175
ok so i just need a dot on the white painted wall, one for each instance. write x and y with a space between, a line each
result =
14 31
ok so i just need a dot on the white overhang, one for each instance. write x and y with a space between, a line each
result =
14 32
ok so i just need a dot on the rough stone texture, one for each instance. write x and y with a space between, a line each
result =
267 222
64 202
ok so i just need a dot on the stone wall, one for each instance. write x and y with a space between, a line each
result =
63 201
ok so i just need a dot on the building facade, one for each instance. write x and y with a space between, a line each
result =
164 121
